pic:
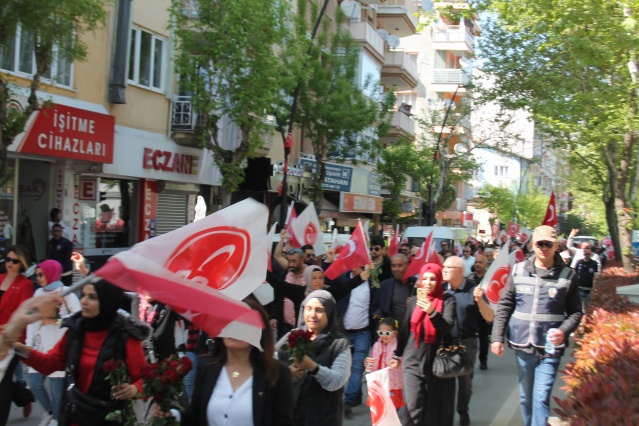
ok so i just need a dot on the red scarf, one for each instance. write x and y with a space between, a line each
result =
420 320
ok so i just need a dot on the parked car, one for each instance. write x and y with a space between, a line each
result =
415 235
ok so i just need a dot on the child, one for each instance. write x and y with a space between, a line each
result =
382 354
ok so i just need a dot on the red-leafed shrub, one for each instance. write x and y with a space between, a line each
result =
603 383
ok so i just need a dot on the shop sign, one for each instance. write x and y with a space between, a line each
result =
148 207
374 187
88 190
338 177
359 203
68 132
169 161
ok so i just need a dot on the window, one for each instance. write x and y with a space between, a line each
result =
18 55
146 59
501 171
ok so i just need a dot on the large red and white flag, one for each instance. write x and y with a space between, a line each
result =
291 217
383 412
353 255
269 246
551 212
393 245
202 270
338 242
496 277
426 254
306 229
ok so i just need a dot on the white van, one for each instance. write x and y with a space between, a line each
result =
415 235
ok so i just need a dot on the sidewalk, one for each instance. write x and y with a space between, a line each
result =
495 400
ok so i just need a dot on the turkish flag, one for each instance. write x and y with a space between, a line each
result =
354 254
338 243
392 246
306 229
496 277
383 412
291 217
426 254
512 230
201 270
551 212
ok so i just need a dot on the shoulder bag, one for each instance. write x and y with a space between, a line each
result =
452 361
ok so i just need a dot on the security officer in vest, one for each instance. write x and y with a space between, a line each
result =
540 307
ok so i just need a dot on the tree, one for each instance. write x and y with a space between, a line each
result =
568 65
342 120
509 204
55 30
397 162
228 59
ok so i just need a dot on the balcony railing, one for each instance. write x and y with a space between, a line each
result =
454 33
191 8
184 118
403 60
449 76
365 32
403 122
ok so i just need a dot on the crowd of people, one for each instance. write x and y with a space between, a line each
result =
366 319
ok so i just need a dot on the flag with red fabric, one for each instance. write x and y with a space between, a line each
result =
383 412
353 255
496 277
512 230
551 212
306 229
426 254
202 270
393 246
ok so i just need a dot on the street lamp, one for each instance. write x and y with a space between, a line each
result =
429 210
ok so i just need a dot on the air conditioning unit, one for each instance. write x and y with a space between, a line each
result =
461 204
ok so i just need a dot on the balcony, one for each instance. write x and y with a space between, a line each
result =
185 123
365 34
400 70
454 37
191 8
397 16
447 80
456 4
402 126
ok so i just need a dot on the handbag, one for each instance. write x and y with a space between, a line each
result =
452 361
86 410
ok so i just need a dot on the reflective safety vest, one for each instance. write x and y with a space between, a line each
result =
540 306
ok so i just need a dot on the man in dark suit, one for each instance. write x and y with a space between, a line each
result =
394 292
60 249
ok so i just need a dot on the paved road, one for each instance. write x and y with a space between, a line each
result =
495 400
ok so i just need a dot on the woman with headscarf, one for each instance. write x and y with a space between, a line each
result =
240 384
43 335
320 378
428 321
315 280
95 335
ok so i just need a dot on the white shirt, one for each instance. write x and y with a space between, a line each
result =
356 315
228 408
43 337
4 364
469 265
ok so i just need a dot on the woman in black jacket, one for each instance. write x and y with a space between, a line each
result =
241 385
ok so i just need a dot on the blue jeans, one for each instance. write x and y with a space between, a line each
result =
361 344
189 379
536 377
50 401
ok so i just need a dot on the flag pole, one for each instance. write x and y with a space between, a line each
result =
84 281
365 239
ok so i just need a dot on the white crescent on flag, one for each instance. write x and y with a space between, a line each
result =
383 412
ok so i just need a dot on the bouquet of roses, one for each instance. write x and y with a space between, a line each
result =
299 344
163 381
117 375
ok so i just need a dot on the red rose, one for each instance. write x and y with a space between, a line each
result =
109 366
185 365
147 372
159 397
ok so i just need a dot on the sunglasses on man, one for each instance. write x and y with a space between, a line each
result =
375 248
546 244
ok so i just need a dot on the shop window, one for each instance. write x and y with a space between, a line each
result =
107 222
146 59
17 55
7 203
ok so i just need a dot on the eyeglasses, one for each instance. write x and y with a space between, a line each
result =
381 333
403 251
542 244
451 267
375 248
309 255
466 251
39 275
12 260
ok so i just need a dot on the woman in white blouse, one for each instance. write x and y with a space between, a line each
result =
240 385
320 379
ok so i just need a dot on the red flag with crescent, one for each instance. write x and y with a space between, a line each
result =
383 412
496 277
551 212
353 255
306 229
202 270
392 246
426 254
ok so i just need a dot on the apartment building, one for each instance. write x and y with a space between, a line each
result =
111 147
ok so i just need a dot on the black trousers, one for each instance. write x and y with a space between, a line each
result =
485 328
465 383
